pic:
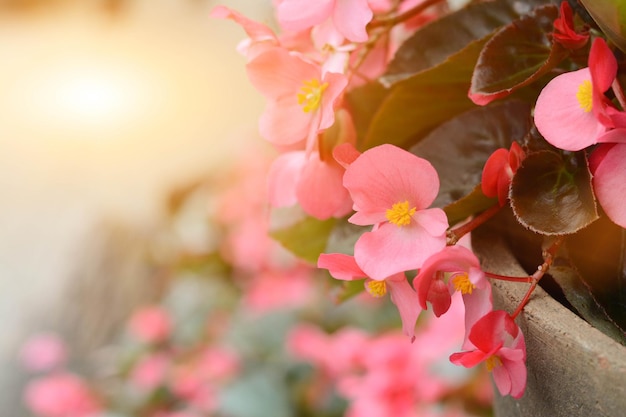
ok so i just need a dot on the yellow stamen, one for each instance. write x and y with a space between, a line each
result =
376 288
493 362
400 214
311 94
584 96
462 283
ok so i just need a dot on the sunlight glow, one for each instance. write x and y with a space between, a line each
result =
88 97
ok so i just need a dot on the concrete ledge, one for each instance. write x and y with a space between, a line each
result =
573 369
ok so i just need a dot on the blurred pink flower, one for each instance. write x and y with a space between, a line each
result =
43 352
349 17
150 372
61 395
150 324
279 288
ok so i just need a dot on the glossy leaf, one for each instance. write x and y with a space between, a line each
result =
516 56
435 42
474 202
610 15
419 103
364 102
459 148
306 238
551 193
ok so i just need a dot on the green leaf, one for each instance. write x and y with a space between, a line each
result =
474 202
306 238
551 193
421 102
364 102
610 15
437 41
459 148
516 56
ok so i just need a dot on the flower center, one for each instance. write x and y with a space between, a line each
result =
310 94
376 288
400 213
584 96
493 362
462 283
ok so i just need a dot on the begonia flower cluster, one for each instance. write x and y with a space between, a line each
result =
340 78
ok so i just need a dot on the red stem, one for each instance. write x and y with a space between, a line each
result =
454 235
526 279
548 257
394 20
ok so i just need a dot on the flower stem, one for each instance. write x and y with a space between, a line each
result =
394 20
454 235
548 258
526 279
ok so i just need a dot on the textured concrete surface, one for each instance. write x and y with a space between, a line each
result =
573 369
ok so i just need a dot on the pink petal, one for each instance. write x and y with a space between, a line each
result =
468 359
336 85
297 15
405 298
609 183
284 124
278 74
320 191
340 266
351 18
510 378
488 333
345 154
283 178
255 30
385 175
439 297
603 66
559 116
477 305
391 249
434 221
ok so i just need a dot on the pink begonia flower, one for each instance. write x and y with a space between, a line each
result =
564 31
61 395
315 184
150 324
261 37
499 170
278 289
43 352
336 355
462 269
391 189
350 17
150 372
500 344
571 111
344 267
609 177
300 99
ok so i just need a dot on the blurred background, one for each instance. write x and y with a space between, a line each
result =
106 106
